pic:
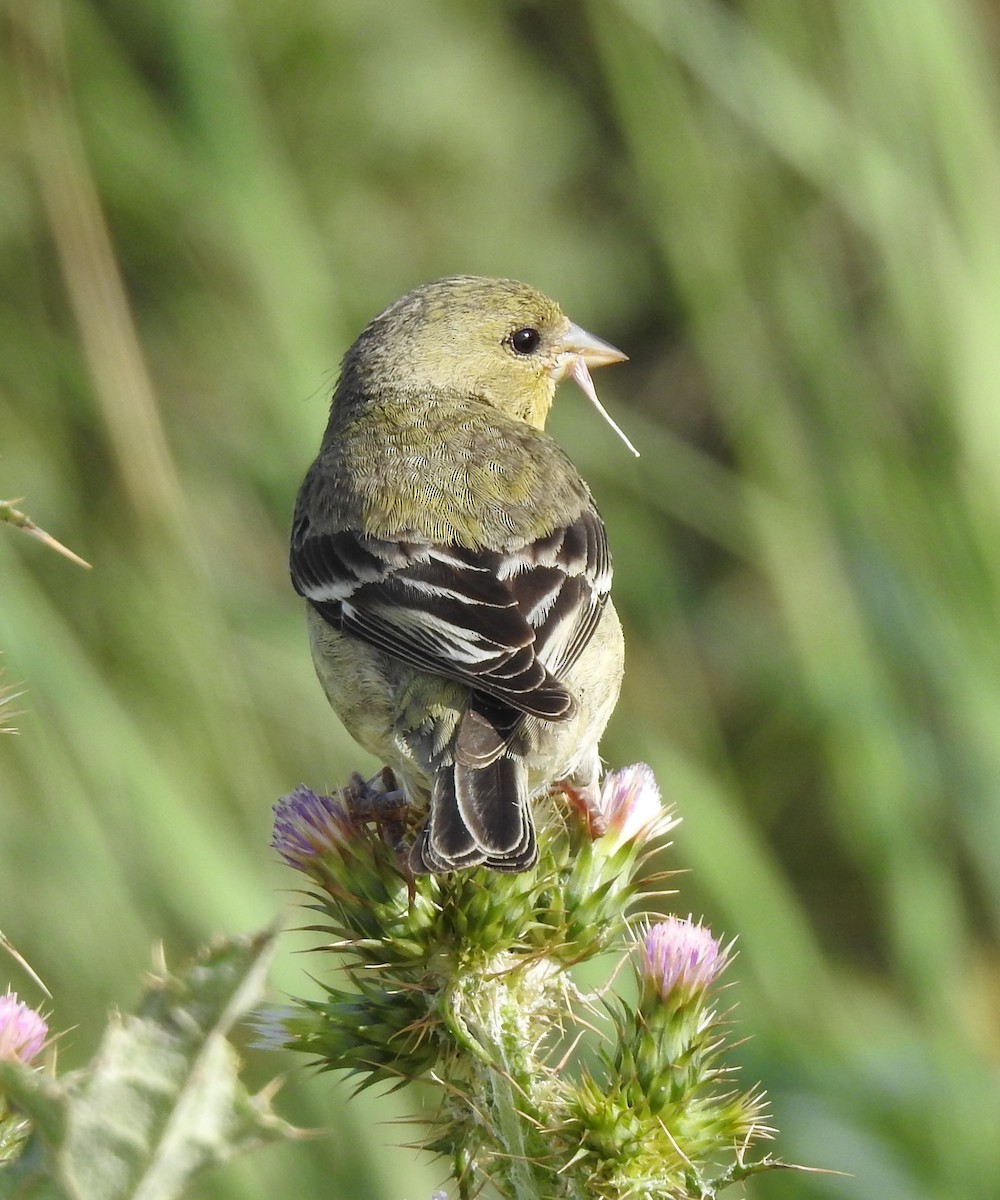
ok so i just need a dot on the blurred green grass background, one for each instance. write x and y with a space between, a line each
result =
787 214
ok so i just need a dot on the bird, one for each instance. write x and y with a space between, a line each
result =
456 569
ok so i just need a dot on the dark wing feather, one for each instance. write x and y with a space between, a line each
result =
564 592
508 624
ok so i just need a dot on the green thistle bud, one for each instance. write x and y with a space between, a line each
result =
615 833
676 1039
659 1118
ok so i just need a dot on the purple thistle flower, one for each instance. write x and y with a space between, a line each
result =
678 956
631 808
22 1030
307 826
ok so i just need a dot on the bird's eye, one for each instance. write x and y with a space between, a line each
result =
525 341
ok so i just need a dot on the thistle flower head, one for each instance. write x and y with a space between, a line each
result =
681 959
307 826
630 807
22 1030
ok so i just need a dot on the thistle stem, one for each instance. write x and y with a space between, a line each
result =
510 1125
503 1019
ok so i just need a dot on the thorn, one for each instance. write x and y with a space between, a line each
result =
13 516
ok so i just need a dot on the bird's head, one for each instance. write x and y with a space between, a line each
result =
496 339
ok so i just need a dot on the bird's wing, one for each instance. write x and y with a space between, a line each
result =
561 583
508 624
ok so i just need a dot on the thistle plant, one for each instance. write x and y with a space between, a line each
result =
160 1101
466 981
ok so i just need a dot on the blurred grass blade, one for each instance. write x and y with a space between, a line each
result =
23 963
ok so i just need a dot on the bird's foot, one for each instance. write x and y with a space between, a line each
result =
381 801
585 802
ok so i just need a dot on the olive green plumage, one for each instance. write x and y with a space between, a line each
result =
455 567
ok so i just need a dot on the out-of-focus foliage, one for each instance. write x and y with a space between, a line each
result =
786 214
161 1101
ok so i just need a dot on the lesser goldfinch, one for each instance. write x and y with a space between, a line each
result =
455 567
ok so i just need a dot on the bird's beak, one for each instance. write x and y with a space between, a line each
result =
595 352
577 352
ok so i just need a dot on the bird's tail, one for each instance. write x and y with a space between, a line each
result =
478 816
